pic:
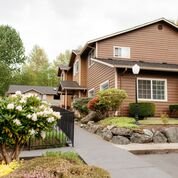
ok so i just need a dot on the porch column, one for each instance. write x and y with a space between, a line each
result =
65 105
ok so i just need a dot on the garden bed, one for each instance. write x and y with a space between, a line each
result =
62 165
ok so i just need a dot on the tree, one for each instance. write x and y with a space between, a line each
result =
11 55
37 70
63 58
23 116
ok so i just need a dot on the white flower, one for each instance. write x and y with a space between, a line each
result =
29 116
22 101
10 106
19 108
32 131
43 134
57 115
50 119
18 92
34 117
17 122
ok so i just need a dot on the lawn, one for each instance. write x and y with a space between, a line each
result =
127 122
158 121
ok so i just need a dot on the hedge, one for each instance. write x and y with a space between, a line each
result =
144 109
173 109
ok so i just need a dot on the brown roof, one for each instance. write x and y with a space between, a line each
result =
123 63
70 85
26 88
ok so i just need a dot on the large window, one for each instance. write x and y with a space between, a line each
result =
104 85
152 89
121 52
91 92
76 67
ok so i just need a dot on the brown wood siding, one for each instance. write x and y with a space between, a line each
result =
84 68
99 73
148 44
127 82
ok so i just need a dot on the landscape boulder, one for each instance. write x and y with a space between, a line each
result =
172 134
92 116
120 140
140 138
107 135
121 131
159 137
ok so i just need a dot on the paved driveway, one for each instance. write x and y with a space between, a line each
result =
166 162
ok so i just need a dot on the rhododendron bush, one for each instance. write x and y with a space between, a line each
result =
23 116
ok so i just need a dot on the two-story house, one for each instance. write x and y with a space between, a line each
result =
107 62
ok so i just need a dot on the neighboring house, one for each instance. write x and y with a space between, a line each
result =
107 62
48 94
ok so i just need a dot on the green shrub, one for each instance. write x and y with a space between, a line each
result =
173 109
107 100
80 105
144 109
164 118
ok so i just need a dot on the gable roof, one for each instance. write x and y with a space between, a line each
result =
70 85
123 63
26 88
129 30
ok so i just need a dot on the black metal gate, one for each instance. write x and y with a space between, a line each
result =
62 134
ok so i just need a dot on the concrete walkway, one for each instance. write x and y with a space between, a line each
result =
119 162
95 151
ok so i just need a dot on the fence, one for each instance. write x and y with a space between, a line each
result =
61 135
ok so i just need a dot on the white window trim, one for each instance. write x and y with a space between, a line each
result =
92 62
93 89
78 67
151 79
107 81
121 52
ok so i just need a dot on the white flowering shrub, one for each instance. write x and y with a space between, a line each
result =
22 116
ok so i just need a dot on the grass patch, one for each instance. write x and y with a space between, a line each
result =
127 122
158 121
53 139
57 164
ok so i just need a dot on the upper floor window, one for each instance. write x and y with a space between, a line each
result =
91 54
104 85
76 67
91 92
121 52
152 89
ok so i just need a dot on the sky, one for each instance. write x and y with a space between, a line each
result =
59 25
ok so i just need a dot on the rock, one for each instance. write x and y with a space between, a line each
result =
140 138
90 123
172 134
90 117
107 135
159 138
99 131
109 127
120 140
94 128
121 131
148 132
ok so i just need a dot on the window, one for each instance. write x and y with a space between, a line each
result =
91 54
152 89
76 67
104 85
56 97
91 92
121 52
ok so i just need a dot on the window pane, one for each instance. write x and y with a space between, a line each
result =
105 86
158 89
144 89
